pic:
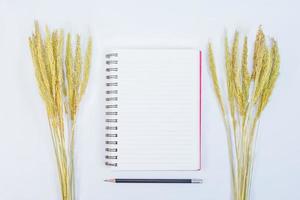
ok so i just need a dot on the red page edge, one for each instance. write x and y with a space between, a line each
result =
200 110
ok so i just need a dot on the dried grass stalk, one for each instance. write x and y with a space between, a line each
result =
62 82
247 96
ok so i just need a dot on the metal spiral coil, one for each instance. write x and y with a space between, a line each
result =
111 111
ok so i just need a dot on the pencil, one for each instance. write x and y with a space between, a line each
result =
125 180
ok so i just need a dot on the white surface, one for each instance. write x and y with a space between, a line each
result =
158 109
27 169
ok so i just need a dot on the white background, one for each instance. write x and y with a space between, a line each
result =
27 164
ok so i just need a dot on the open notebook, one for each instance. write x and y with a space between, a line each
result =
153 109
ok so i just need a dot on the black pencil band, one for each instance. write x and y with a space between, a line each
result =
153 181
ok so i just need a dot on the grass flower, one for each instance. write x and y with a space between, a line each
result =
242 104
62 80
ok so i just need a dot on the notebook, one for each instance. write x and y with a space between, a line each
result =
153 109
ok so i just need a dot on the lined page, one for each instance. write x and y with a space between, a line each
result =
158 109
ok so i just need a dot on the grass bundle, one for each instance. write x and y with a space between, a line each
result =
246 96
62 80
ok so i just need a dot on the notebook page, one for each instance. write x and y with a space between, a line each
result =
158 109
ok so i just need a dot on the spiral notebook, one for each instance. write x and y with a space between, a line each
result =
153 109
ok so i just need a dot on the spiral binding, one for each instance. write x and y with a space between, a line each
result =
111 112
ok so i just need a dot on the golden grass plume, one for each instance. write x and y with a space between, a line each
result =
62 81
246 97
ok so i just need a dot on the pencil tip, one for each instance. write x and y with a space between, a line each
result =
109 180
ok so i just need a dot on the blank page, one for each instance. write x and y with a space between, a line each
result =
157 109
